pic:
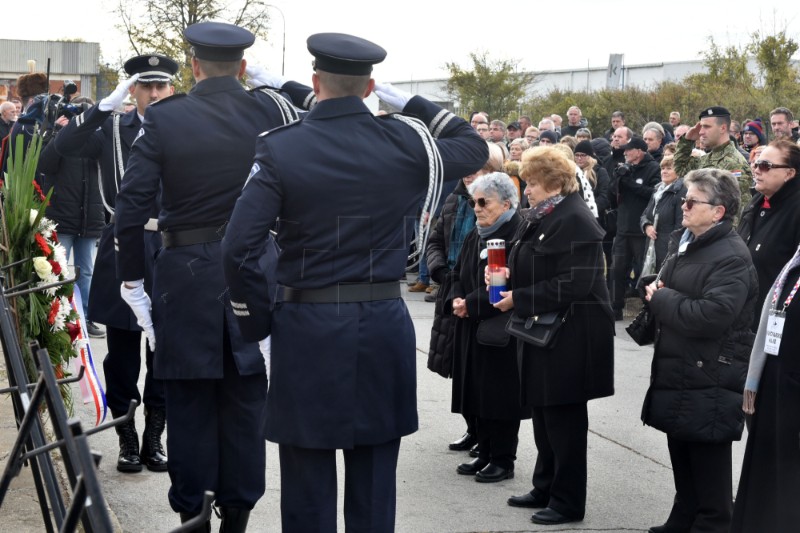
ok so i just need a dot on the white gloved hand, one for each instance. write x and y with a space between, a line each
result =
259 76
392 95
114 100
139 302
265 345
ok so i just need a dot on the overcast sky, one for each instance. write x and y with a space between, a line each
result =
422 35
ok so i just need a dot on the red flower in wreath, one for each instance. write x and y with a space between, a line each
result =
43 246
39 192
74 330
51 316
56 267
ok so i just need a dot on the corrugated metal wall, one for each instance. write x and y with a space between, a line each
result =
65 57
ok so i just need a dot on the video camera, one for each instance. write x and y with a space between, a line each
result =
60 106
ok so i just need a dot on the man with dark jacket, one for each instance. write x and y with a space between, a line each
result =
633 183
620 138
77 207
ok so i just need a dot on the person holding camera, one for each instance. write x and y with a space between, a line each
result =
634 183
76 206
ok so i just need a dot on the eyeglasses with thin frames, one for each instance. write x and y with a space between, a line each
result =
765 166
689 202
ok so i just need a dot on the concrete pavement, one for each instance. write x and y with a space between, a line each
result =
629 489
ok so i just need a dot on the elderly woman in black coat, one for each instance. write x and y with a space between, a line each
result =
557 265
703 307
485 375
444 246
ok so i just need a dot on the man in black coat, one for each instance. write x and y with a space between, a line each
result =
100 133
343 371
193 152
634 183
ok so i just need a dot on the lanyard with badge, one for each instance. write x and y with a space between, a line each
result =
776 319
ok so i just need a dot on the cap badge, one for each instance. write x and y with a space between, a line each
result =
153 61
710 111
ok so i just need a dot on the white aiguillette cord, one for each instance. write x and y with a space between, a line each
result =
435 179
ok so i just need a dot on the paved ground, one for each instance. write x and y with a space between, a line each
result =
630 481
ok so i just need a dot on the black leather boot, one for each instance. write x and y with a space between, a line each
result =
205 527
234 520
129 460
152 454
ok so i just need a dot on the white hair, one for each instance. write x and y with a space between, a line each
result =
496 183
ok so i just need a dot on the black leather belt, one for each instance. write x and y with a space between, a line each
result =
173 239
343 293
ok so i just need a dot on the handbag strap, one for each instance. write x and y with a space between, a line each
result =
663 267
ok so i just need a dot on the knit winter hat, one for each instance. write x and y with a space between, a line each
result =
585 147
755 126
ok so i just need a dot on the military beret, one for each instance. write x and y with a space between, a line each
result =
715 111
339 53
218 41
151 67
636 143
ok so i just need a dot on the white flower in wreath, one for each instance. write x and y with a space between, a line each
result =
42 267
46 228
60 257
64 310
33 214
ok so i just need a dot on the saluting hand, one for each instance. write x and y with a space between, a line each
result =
392 95
258 76
114 100
694 133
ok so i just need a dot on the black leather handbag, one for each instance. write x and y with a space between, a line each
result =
492 332
539 330
643 328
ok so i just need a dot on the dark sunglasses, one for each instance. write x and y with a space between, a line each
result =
765 166
481 202
689 202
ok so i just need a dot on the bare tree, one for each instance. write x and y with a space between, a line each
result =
157 25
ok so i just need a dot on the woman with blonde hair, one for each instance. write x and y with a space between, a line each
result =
556 264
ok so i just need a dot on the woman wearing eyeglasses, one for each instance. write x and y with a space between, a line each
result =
770 224
485 375
456 221
702 306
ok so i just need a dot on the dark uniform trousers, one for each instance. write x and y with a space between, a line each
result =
308 488
560 472
703 481
221 450
497 441
121 368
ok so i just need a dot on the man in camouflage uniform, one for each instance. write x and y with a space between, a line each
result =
713 130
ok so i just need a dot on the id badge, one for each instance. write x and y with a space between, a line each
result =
772 344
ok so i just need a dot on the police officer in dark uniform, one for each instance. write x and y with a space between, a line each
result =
343 370
102 134
195 150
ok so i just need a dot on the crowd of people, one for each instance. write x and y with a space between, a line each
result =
707 209
210 265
